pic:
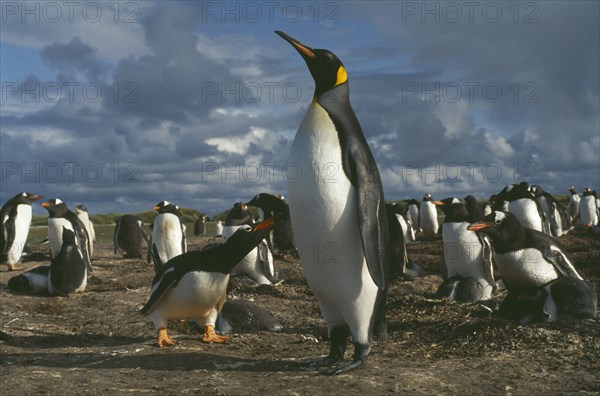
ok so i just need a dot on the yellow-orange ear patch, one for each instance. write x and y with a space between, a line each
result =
342 76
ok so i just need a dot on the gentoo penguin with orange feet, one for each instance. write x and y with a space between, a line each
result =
338 208
193 285
168 233
542 283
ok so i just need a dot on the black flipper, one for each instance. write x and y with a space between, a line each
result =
8 233
167 280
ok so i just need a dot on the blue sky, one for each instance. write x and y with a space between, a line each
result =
122 105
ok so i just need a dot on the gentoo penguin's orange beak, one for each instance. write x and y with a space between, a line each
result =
155 208
438 203
36 197
478 226
270 222
304 50
45 204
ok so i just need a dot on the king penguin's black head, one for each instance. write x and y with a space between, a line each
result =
325 67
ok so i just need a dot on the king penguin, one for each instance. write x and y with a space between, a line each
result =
83 214
60 218
193 285
168 233
339 218
539 276
466 265
16 219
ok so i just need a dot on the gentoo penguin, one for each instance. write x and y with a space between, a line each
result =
218 229
33 281
16 219
60 217
557 218
488 208
399 263
258 264
270 205
340 222
407 230
82 212
68 270
168 235
573 206
466 266
531 263
473 209
129 235
522 203
588 211
193 285
428 219
200 226
412 213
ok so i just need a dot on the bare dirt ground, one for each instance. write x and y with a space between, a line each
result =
97 342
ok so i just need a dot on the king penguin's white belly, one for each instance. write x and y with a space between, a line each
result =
526 211
525 268
324 213
167 236
55 231
463 253
22 223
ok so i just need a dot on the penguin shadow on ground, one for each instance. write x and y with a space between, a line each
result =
152 359
48 340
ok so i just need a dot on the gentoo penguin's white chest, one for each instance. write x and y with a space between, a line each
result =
167 236
22 223
587 210
324 213
526 211
194 296
428 220
462 251
525 268
55 231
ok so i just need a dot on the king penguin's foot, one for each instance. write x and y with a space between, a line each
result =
164 339
361 353
211 336
338 340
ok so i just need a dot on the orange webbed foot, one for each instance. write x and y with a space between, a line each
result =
211 336
164 339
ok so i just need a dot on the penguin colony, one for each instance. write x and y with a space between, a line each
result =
511 243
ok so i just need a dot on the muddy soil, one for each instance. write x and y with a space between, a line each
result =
97 342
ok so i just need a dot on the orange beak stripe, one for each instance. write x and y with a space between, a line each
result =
478 226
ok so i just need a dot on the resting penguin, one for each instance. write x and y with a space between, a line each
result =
573 206
283 236
68 270
168 234
129 236
588 211
60 218
82 213
16 219
522 203
342 217
537 273
33 281
193 285
200 226
239 316
428 216
466 266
